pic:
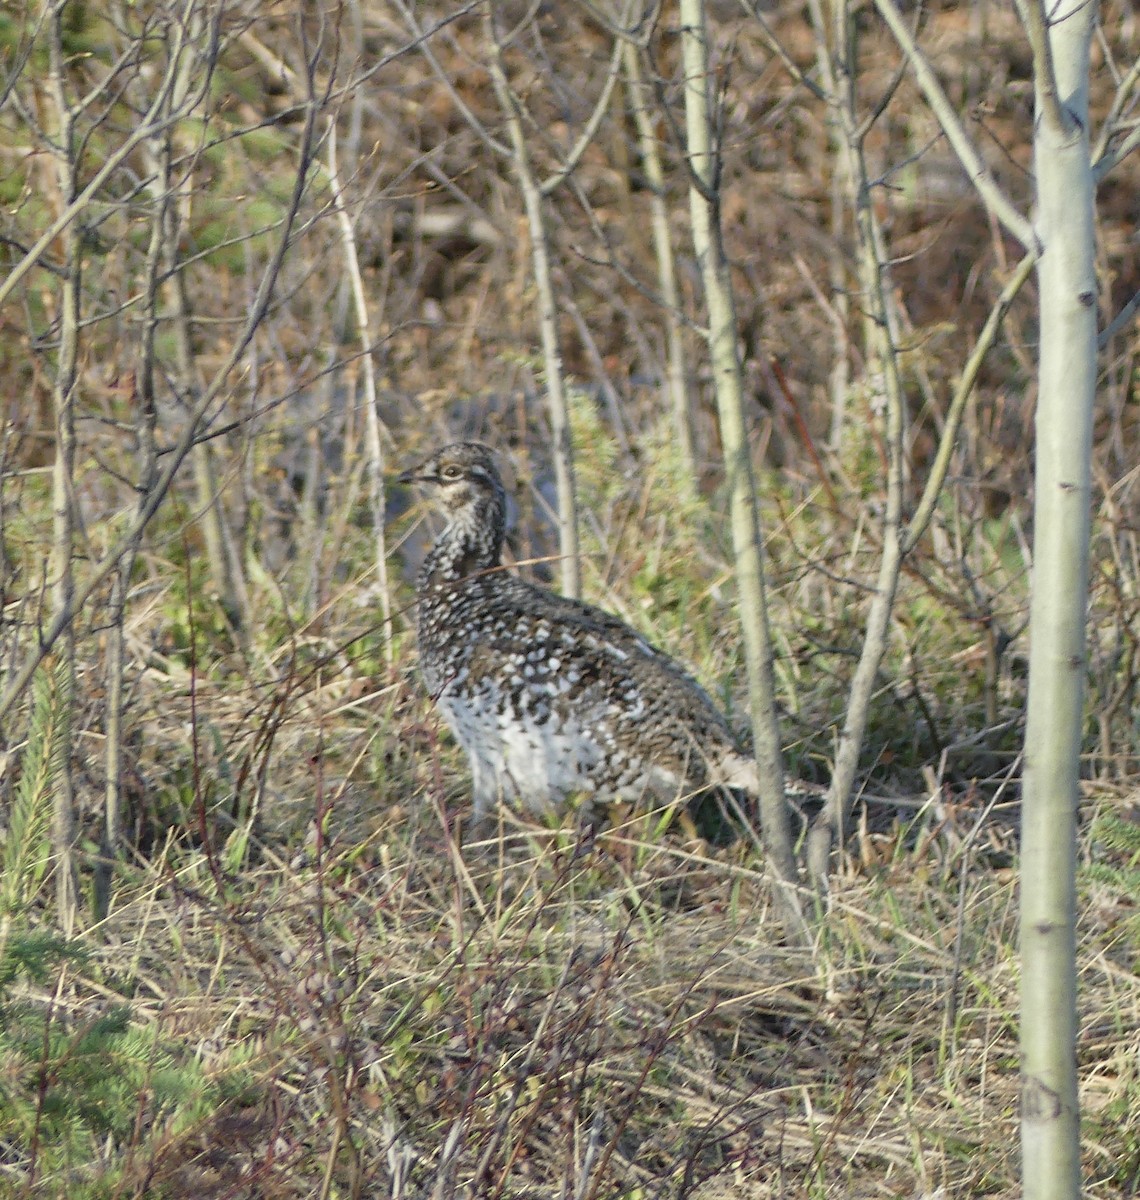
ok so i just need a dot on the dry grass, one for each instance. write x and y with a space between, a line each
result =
560 1023
377 1009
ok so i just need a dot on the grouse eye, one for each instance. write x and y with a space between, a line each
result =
451 471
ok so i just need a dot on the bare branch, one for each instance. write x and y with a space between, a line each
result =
638 36
1119 322
590 130
882 345
752 8
571 571
1044 74
1124 92
371 414
61 562
1114 157
677 371
982 346
992 196
258 309
423 43
151 123
23 53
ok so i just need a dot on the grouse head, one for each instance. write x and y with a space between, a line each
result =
463 482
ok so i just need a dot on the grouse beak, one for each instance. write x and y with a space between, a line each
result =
415 475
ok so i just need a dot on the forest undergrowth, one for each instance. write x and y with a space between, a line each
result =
291 967
316 979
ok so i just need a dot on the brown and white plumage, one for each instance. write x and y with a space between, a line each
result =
550 697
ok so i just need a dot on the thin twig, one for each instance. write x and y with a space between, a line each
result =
882 333
1116 156
423 44
150 124
992 196
1118 322
1120 102
571 571
677 371
937 473
198 414
590 129
371 415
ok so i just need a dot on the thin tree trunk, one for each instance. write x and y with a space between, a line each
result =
677 372
61 566
880 330
171 205
746 536
223 552
833 67
1057 615
372 440
162 221
111 835
568 543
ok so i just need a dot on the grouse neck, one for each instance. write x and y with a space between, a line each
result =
471 542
